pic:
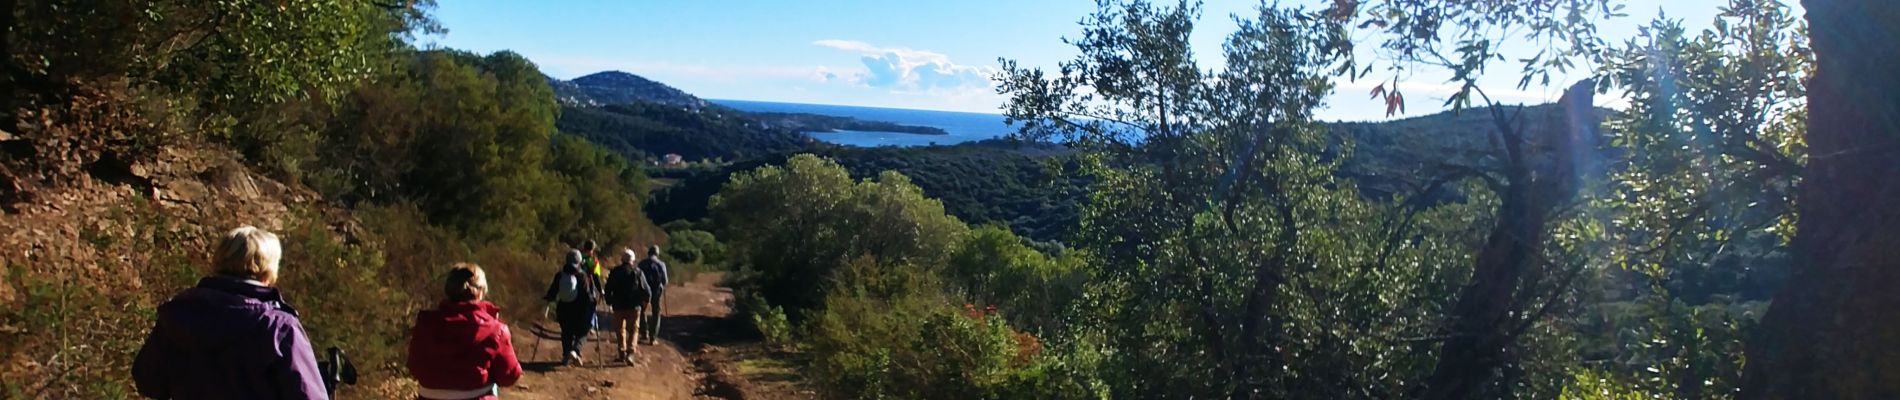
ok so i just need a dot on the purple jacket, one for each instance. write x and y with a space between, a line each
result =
227 339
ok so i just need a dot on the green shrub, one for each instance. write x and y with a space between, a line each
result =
344 299
770 321
79 337
695 246
793 225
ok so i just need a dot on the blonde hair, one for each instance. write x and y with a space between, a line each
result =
249 253
466 282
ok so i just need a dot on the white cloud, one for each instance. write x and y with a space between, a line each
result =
908 70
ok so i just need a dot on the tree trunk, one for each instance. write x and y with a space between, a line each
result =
1476 340
1540 175
1834 331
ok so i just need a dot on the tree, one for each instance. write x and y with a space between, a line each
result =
1494 308
112 80
1233 261
1831 332
1492 311
1465 37
1700 200
995 268
794 225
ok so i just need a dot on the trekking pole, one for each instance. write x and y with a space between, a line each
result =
537 334
596 328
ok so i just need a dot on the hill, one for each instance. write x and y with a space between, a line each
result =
615 87
1025 186
643 130
1022 185
804 122
111 203
643 119
1396 156
998 181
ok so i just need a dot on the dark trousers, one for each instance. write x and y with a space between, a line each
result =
654 310
576 320
571 339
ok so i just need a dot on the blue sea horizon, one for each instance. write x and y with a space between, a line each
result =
962 126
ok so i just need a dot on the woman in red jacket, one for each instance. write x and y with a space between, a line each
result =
461 349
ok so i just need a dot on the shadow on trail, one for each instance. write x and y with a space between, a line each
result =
543 332
548 335
547 366
693 332
546 330
540 366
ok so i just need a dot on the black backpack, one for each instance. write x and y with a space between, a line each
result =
628 285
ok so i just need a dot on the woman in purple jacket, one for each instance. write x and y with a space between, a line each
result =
232 336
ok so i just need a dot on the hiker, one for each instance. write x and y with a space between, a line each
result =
574 293
655 271
627 293
461 349
232 336
591 262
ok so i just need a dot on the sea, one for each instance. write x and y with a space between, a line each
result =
962 126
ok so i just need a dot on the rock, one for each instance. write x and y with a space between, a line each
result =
183 191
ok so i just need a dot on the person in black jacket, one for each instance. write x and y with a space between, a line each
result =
627 293
574 293
655 271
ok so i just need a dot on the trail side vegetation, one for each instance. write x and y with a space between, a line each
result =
1155 228
1031 187
424 157
1225 246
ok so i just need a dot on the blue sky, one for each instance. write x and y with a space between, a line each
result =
900 54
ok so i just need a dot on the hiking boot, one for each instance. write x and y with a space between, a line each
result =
573 358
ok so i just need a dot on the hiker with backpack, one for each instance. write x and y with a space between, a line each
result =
232 336
655 272
627 293
461 349
591 262
574 293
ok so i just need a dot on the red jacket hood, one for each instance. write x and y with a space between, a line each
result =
460 346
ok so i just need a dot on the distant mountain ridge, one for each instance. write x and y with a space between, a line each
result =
985 181
616 87
644 119
1390 156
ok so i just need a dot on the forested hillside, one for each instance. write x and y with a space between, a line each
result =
1398 156
615 87
1036 189
1154 228
1230 246
1031 188
642 130
131 142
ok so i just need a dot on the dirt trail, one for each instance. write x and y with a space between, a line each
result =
695 314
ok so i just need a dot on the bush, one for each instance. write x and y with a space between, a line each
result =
66 335
695 246
90 335
770 321
344 300
793 225
889 332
